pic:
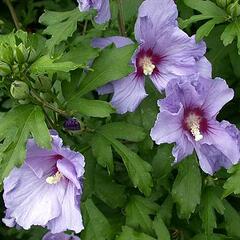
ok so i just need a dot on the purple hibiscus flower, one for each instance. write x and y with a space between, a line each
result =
188 118
102 7
59 236
164 52
46 189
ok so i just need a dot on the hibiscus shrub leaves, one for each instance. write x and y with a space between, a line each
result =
16 127
119 119
186 189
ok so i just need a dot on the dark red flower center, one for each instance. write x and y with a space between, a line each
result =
195 123
146 62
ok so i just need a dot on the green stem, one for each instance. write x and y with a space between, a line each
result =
48 105
13 14
121 20
85 27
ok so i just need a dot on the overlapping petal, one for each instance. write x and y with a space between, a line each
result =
128 93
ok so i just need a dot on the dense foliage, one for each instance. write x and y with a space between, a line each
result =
49 72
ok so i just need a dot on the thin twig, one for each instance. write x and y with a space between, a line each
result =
13 14
48 105
121 20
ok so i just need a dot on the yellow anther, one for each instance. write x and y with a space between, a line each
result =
54 179
148 66
193 123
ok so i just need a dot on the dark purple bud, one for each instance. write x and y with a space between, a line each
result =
72 124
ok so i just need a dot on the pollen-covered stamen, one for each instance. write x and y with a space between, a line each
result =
54 179
148 66
193 124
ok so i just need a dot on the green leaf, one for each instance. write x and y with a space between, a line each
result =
138 169
80 55
206 7
206 28
102 150
211 237
129 234
138 213
109 191
210 203
60 25
46 64
160 228
162 161
232 220
8 38
231 32
112 64
166 209
16 127
96 225
124 131
209 10
91 108
186 190
232 184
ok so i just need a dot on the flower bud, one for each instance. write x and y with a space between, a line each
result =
223 3
19 90
234 9
21 53
4 69
72 124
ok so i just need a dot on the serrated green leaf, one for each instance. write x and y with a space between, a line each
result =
110 192
209 10
211 237
166 209
231 32
60 25
124 131
8 38
186 190
232 184
16 127
162 161
206 28
46 64
91 108
128 233
102 150
96 225
210 203
81 54
232 220
138 213
206 7
138 169
112 64
195 18
160 228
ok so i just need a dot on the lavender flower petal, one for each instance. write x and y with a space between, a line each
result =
128 93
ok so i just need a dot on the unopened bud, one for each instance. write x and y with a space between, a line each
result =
234 9
19 90
4 69
223 3
72 124
21 53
